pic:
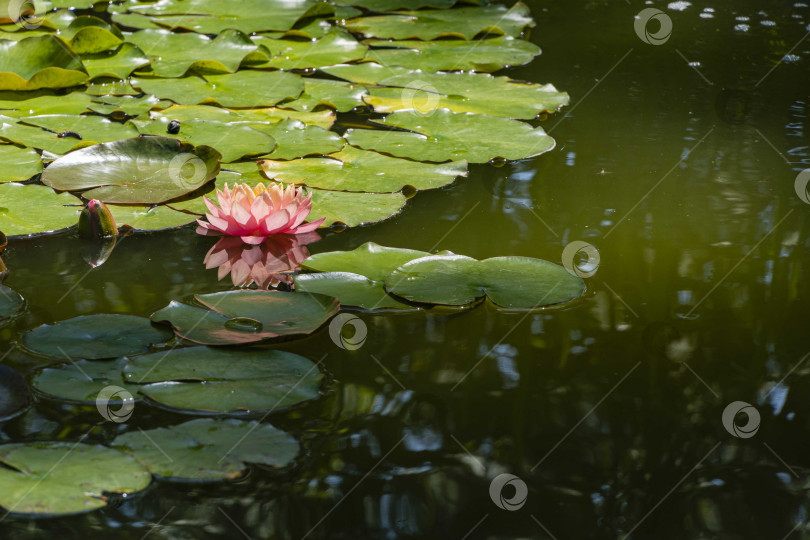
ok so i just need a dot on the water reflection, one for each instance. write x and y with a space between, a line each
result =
268 264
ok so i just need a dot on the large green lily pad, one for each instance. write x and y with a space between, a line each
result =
93 337
205 380
184 113
60 478
444 135
350 289
11 304
93 129
18 104
208 449
336 47
81 381
484 55
338 95
15 397
36 137
296 139
32 209
18 163
144 170
118 63
354 209
240 317
371 260
49 63
150 218
118 106
353 169
173 54
509 282
392 5
465 22
91 35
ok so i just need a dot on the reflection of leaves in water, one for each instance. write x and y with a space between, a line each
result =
267 265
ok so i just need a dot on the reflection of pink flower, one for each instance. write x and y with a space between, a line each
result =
258 212
267 264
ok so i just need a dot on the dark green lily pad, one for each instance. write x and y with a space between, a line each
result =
336 47
15 397
18 163
173 54
11 304
81 381
319 93
350 289
206 450
205 380
240 317
49 63
118 63
371 260
61 478
145 170
150 218
465 22
32 209
509 282
353 169
94 337
93 129
444 135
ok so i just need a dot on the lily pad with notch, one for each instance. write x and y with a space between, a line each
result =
19 164
351 290
81 381
30 209
371 260
39 62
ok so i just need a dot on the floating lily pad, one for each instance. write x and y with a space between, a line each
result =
184 113
110 86
465 22
354 209
18 163
125 105
119 63
49 63
239 317
444 135
93 129
144 170
350 289
207 449
484 55
17 104
93 337
338 95
59 478
205 380
81 381
11 304
371 260
296 139
369 73
90 35
509 282
150 218
15 397
32 209
353 169
336 47
392 5
173 54
36 137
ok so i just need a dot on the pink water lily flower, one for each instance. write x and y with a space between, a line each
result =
256 213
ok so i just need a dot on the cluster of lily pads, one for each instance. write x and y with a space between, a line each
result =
149 105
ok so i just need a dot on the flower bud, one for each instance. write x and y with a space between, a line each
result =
96 221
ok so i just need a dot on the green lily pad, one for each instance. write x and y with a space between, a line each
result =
11 305
467 23
296 139
368 73
172 54
509 282
350 289
207 449
49 63
338 95
205 380
110 86
73 4
15 397
354 209
93 129
393 5
246 88
32 209
81 381
60 478
119 63
90 35
125 105
371 260
150 218
336 47
240 317
353 169
36 137
93 337
18 163
145 170
185 113
444 135
484 55
17 104
135 20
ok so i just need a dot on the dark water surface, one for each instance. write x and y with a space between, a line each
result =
678 162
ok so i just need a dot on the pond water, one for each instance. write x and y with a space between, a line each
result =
678 163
